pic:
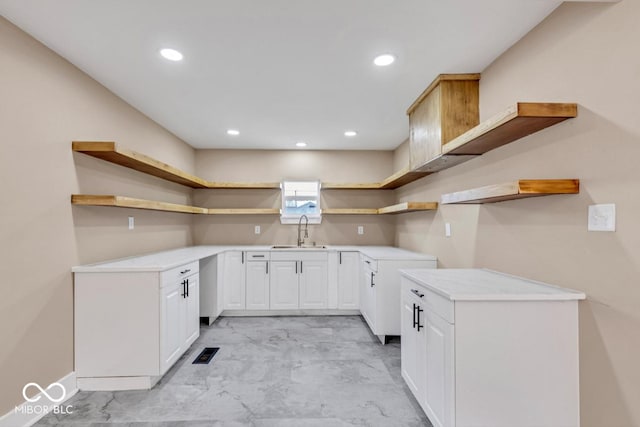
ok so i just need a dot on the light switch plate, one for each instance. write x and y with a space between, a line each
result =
360 229
602 217
257 229
447 229
131 223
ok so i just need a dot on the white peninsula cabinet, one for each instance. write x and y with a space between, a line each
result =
481 348
380 286
131 326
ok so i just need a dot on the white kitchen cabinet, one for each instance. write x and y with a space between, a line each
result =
130 327
284 285
234 280
179 317
380 303
257 285
299 280
485 348
313 280
211 290
348 280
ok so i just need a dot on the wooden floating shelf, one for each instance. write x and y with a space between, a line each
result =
111 152
398 179
513 190
394 209
408 207
129 202
518 121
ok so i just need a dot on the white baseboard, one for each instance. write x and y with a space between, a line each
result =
26 414
275 313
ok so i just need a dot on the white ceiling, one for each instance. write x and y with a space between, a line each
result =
280 71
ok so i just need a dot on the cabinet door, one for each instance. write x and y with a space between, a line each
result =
348 289
258 285
313 284
368 298
192 311
409 335
439 373
171 325
234 281
283 285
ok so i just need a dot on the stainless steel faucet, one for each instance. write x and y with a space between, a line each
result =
306 230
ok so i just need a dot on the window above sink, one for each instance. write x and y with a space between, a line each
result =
300 198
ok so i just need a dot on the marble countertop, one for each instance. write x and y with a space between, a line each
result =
165 260
486 285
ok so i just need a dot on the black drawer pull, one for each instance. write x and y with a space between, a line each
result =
185 271
257 256
415 291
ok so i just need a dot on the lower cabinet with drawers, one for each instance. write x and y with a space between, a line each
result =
131 327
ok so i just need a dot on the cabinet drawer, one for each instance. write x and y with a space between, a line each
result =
370 263
258 255
176 274
433 302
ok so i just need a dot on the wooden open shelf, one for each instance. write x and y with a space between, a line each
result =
111 152
129 202
518 121
394 209
408 207
513 190
398 179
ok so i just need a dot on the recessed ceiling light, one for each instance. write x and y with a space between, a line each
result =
350 133
233 132
171 54
301 144
384 60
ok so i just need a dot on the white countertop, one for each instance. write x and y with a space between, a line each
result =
165 260
486 285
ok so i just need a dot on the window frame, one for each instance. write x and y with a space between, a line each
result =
315 218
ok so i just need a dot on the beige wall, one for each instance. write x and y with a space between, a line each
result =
583 53
45 104
274 166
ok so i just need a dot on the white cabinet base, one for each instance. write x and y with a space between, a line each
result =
323 312
116 383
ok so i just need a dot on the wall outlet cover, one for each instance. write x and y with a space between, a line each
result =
360 229
447 229
602 217
257 229
131 223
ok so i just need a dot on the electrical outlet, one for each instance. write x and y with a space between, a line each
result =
257 229
447 229
131 223
602 217
360 230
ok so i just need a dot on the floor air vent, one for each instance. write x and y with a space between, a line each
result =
206 355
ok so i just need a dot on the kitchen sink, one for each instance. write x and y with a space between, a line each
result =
298 247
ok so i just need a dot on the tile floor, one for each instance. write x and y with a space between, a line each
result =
324 371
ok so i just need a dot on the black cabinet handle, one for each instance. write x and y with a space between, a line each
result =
185 271
414 315
242 256
266 264
300 267
368 262
296 267
258 256
415 291
418 319
184 289
340 257
372 283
